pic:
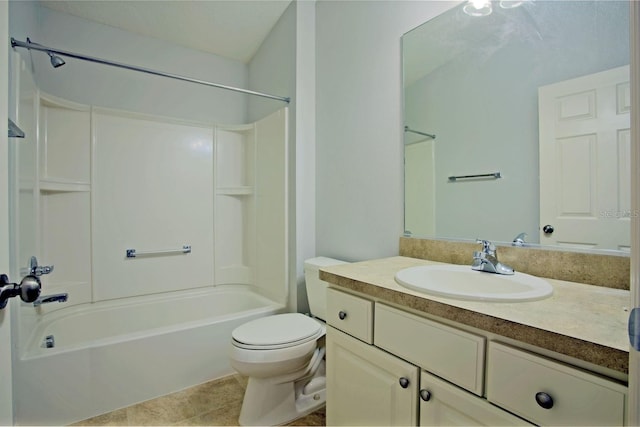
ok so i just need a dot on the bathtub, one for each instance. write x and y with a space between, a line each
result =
113 354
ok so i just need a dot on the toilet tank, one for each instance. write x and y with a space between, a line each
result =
316 288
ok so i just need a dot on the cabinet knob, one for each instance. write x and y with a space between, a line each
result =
425 395
342 315
544 400
404 382
548 229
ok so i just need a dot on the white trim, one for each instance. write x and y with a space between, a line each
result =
634 356
6 378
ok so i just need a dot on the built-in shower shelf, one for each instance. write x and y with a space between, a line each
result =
61 185
235 191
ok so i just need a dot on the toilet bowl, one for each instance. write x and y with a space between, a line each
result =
275 345
283 356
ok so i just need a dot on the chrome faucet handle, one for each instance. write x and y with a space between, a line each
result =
487 246
38 270
519 240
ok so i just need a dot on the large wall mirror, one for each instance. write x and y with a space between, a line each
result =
516 121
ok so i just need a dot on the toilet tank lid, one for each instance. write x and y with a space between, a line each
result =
319 262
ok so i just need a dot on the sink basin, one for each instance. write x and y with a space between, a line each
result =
461 282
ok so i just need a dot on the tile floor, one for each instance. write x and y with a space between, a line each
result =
215 403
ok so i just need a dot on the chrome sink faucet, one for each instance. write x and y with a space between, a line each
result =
487 260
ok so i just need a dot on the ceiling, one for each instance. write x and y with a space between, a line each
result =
234 29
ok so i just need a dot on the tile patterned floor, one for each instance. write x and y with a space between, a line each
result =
215 403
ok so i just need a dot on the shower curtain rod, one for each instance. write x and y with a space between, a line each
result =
35 46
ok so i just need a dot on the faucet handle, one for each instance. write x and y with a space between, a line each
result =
519 240
487 246
37 270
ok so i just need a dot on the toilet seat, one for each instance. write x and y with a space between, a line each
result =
277 332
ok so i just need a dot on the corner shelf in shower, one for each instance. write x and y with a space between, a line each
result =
235 191
234 223
56 185
64 204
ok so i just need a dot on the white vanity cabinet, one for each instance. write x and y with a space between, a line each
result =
350 314
443 404
452 354
550 393
367 386
386 366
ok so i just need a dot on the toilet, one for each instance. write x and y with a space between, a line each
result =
283 356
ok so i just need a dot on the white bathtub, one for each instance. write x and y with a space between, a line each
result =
114 354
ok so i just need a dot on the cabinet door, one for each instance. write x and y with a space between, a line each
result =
443 404
367 386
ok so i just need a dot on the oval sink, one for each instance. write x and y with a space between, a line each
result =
461 282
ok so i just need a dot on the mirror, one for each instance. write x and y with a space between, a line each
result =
504 124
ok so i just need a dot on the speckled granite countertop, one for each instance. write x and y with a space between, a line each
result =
581 321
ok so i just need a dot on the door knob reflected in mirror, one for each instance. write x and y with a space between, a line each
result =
548 229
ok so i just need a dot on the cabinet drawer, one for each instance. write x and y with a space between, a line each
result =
450 353
515 378
350 314
443 404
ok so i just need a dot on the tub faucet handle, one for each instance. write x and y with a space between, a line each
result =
38 270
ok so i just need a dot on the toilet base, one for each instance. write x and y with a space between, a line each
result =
268 403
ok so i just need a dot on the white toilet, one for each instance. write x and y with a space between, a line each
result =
283 356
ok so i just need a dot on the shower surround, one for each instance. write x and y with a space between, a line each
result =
97 183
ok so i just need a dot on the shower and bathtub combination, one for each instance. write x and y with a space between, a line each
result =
165 234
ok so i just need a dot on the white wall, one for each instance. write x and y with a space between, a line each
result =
273 67
24 19
6 381
117 88
359 156
305 161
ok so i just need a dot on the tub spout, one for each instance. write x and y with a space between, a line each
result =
51 298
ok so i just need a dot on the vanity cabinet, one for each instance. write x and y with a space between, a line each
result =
443 404
452 354
367 386
350 314
416 371
550 393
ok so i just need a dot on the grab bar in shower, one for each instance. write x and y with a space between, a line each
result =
495 175
133 253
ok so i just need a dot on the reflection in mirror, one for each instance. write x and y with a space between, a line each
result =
534 99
